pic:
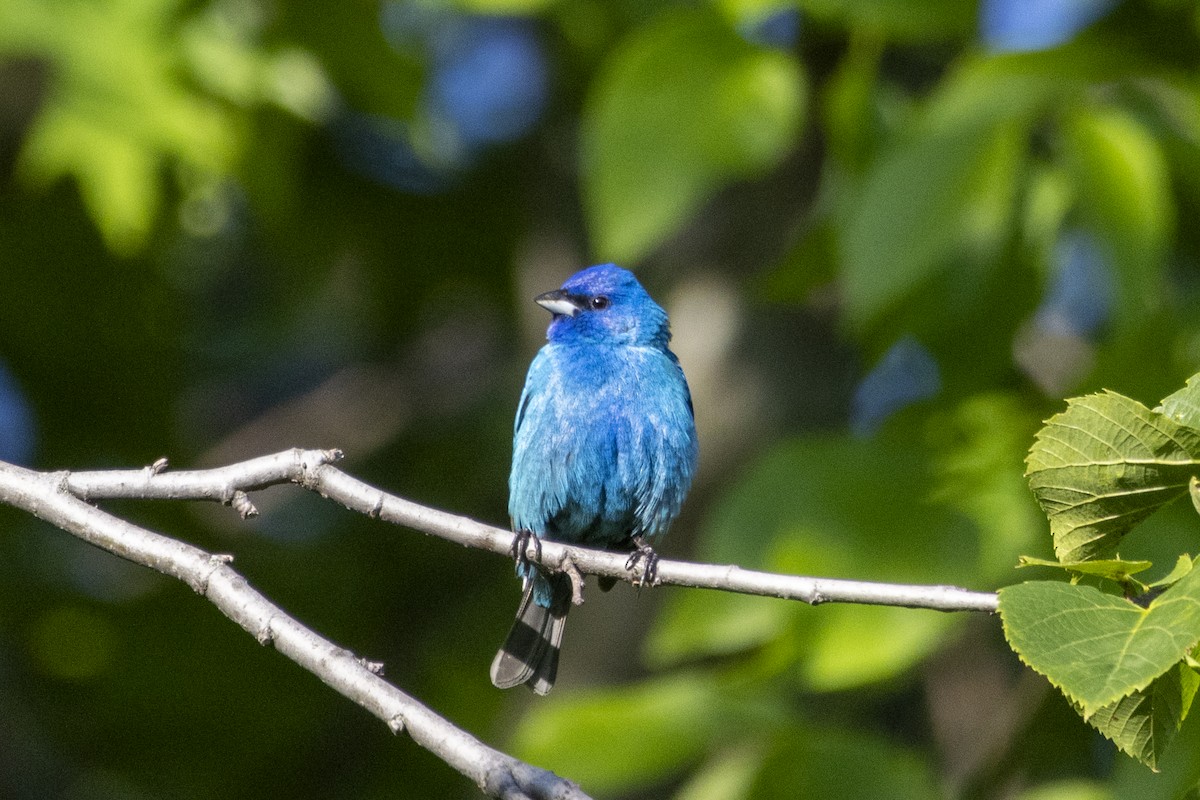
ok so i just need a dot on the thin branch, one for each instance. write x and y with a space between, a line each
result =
63 499
313 470
53 497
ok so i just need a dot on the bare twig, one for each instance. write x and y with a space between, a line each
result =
313 470
57 499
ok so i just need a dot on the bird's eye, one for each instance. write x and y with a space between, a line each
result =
600 303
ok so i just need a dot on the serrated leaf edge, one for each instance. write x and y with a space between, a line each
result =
1046 434
1086 712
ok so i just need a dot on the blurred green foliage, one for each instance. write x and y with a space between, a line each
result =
682 108
228 227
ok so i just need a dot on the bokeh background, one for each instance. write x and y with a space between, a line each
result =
892 235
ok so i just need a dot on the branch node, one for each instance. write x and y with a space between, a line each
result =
514 780
61 498
266 634
242 504
307 463
374 667
61 481
377 509
215 561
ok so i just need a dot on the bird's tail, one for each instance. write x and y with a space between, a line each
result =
530 653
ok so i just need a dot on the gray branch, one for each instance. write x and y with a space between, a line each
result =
314 470
58 498
64 499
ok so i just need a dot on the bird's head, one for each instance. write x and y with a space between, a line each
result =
604 304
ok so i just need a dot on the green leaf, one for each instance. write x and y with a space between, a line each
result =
244 73
121 109
682 107
728 776
1179 767
1096 647
853 113
1114 569
828 762
1144 723
613 739
944 195
935 197
857 646
1184 406
1104 465
979 446
1124 191
118 178
1073 789
1182 567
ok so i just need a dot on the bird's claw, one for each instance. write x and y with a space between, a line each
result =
644 555
572 572
522 539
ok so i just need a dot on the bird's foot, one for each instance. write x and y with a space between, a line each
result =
572 572
643 554
522 540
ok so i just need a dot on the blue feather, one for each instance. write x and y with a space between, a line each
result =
604 444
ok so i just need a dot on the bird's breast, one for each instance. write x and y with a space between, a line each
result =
598 446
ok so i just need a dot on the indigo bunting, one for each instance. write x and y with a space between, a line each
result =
604 447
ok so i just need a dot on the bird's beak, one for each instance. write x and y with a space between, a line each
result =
558 303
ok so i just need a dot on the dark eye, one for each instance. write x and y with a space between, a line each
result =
600 303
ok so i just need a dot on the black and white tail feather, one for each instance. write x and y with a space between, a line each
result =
530 653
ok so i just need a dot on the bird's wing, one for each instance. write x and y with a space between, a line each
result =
536 485
657 441
687 392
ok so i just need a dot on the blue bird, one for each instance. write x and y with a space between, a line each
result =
604 448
